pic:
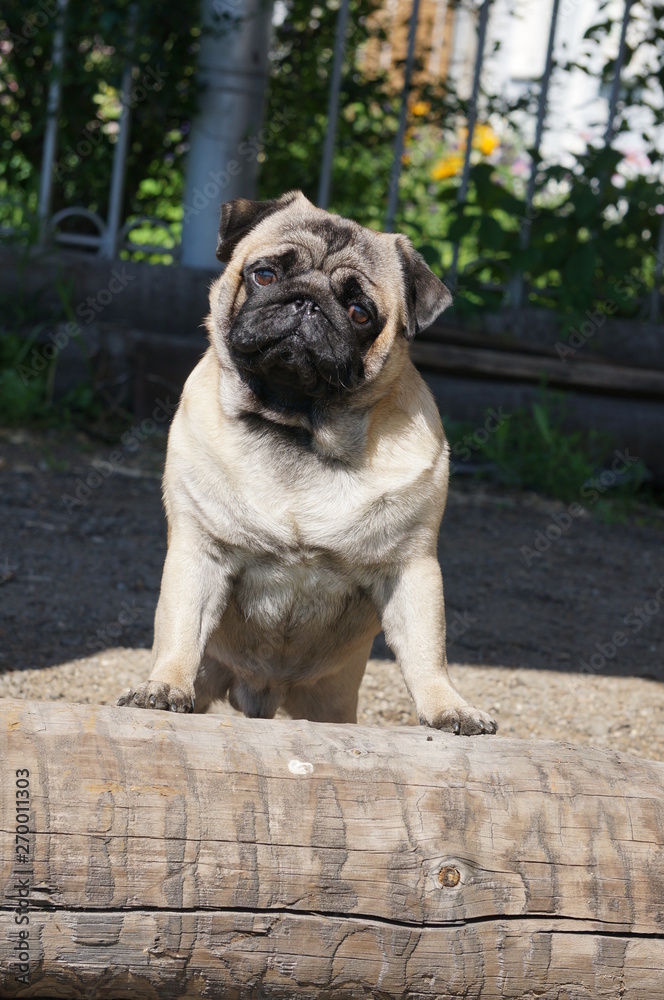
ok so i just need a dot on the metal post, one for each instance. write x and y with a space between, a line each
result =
226 136
659 271
524 235
333 107
393 190
108 246
51 131
472 118
613 98
615 86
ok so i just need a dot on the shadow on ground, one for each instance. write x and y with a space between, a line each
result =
78 578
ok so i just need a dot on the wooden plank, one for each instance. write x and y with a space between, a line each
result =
603 339
482 363
175 854
462 336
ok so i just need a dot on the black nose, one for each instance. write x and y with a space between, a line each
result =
305 305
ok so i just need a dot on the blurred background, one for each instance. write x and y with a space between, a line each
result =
518 143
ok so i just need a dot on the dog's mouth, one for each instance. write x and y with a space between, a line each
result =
301 363
285 362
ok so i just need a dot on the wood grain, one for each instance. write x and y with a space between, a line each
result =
200 855
579 374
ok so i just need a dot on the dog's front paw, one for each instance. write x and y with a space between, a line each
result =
158 694
464 720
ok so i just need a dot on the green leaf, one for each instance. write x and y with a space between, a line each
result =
580 267
542 422
490 234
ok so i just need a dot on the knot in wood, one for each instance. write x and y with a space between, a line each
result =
448 877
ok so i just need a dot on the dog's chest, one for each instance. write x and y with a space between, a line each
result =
287 595
302 554
285 508
334 524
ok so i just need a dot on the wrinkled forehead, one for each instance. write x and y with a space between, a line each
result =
306 238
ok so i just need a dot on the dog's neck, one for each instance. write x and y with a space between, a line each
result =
336 431
342 436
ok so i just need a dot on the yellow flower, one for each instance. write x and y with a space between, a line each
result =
485 139
447 167
421 108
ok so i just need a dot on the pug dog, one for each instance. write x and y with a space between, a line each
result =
305 481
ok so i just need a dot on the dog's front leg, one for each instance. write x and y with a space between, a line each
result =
194 592
412 612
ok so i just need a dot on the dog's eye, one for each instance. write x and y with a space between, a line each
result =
358 314
264 276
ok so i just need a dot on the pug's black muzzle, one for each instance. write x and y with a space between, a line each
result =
295 348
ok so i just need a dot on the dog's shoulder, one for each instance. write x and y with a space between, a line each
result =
405 428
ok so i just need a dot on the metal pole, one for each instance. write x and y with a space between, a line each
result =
613 98
659 270
333 107
51 131
109 244
524 235
472 118
393 190
615 86
226 136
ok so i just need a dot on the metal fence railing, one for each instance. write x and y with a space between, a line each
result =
113 232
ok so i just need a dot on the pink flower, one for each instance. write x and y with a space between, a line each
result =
637 159
521 167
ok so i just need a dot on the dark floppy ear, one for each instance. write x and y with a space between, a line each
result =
426 296
240 216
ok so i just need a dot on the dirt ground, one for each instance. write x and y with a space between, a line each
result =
554 621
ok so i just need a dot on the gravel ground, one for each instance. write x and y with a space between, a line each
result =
566 643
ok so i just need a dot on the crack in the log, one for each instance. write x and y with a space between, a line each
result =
355 849
604 930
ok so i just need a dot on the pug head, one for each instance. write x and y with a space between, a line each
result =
311 306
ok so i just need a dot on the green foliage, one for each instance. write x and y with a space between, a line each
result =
163 100
28 398
534 449
594 225
593 228
29 359
301 65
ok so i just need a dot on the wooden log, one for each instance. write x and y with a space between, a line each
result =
580 374
600 337
172 856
